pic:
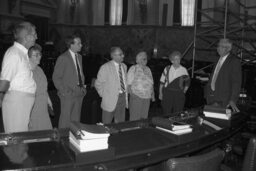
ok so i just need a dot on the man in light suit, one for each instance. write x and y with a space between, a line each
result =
68 78
111 86
224 85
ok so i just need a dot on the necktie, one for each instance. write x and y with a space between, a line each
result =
80 82
215 75
121 78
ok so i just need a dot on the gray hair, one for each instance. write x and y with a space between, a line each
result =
22 29
227 43
140 55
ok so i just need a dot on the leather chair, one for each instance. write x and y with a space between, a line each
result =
210 161
249 163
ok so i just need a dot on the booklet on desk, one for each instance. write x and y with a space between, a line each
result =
169 124
177 132
179 126
85 145
217 112
86 131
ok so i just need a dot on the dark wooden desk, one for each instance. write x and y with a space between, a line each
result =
133 148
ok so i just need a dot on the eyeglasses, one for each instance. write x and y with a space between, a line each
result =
37 55
119 54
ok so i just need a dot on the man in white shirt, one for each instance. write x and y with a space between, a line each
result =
68 79
17 86
111 86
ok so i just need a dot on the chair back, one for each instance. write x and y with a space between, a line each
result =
249 163
205 162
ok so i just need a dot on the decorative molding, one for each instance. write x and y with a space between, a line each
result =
38 8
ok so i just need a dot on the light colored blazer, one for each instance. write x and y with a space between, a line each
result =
108 85
65 76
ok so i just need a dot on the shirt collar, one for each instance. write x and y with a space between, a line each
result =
224 57
116 64
72 53
176 68
21 47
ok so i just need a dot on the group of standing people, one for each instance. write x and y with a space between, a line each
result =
25 101
114 86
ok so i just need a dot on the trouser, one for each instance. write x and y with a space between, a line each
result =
138 107
70 110
119 112
173 101
16 109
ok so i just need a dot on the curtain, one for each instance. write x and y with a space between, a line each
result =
116 12
187 12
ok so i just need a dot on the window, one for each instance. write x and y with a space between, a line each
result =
187 12
116 12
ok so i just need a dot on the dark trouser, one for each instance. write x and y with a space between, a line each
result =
70 110
214 98
119 112
138 107
173 101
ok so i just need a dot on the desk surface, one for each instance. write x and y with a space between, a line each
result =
133 147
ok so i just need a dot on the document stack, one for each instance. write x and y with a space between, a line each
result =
171 126
217 112
87 138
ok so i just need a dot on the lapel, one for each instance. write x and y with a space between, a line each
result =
71 61
224 66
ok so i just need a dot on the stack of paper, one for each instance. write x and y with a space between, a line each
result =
174 127
88 137
217 112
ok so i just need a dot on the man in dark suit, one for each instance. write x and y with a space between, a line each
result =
224 85
68 78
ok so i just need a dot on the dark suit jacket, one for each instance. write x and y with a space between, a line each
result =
228 83
65 76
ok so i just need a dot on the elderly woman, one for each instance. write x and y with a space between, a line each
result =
140 86
174 83
39 117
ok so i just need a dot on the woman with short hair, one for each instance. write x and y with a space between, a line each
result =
140 86
174 83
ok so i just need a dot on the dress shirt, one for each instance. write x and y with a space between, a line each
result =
16 69
73 55
117 70
221 61
217 70
173 74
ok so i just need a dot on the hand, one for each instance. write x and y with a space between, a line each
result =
50 103
233 106
160 96
185 90
153 98
83 90
1 99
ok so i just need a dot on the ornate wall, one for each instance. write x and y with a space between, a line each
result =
131 39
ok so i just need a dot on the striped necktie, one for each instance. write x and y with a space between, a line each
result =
121 78
80 82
